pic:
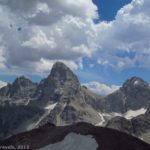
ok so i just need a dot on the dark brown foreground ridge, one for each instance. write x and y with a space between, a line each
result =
107 139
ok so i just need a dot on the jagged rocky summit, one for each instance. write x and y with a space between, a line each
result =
133 95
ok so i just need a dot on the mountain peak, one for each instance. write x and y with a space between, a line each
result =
61 72
135 82
21 78
22 81
60 65
61 82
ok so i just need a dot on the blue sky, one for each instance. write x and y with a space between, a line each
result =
105 41
108 8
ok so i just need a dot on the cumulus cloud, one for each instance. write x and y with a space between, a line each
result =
36 33
101 88
124 42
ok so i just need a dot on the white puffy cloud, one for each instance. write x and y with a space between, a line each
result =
38 32
101 88
45 65
124 42
2 84
48 11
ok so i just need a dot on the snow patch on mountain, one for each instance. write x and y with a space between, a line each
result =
104 117
134 113
136 82
102 120
50 106
74 141
48 109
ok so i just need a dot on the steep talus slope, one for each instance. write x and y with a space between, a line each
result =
107 139
70 112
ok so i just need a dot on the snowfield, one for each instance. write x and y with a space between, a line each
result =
104 117
74 141
101 123
51 106
134 113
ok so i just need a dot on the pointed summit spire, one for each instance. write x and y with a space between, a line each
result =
62 73
61 82
135 82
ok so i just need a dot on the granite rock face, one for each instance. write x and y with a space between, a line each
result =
15 113
61 84
20 91
133 95
141 123
121 124
71 102
74 102
72 112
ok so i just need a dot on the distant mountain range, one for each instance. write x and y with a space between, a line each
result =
61 99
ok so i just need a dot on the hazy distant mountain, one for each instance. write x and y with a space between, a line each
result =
80 136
